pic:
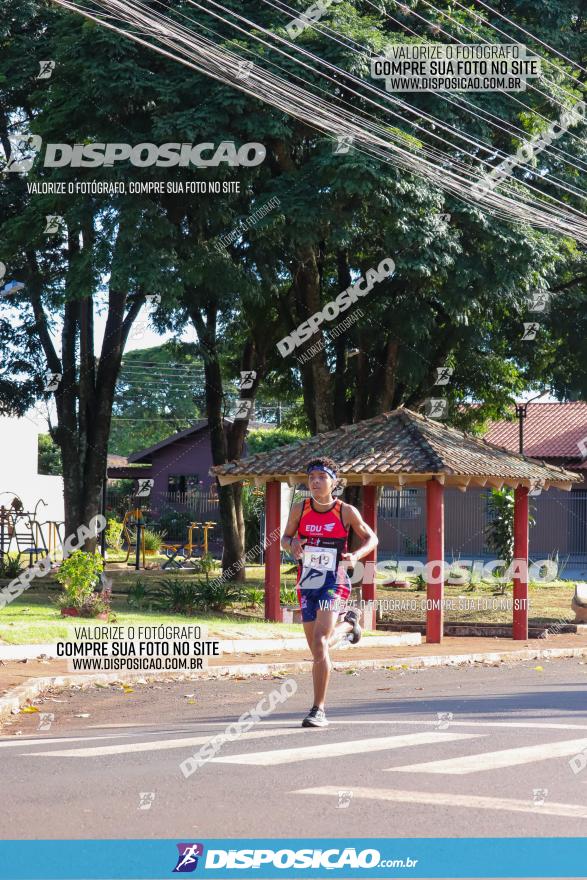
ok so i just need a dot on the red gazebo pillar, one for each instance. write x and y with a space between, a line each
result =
272 550
435 576
370 517
368 588
520 621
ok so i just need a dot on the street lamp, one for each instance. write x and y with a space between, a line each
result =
521 414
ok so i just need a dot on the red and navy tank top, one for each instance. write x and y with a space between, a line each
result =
326 532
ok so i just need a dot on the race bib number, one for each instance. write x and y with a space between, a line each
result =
321 558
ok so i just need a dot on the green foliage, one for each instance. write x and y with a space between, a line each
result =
79 574
119 497
95 604
49 461
114 534
253 500
159 391
500 528
205 565
187 596
265 440
178 595
175 523
10 566
138 595
288 596
420 583
460 290
218 594
254 596
153 539
416 547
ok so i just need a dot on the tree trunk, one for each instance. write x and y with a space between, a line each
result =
85 394
233 545
315 372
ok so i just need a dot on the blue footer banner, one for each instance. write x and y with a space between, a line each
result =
530 857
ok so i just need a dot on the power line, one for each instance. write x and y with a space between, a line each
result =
209 59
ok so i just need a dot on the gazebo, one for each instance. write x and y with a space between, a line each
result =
402 448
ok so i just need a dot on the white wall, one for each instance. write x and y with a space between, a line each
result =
18 470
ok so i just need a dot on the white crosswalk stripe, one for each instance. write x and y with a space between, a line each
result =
450 799
337 749
496 760
157 745
20 742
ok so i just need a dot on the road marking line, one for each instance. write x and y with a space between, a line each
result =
496 760
42 740
124 748
437 799
513 725
337 749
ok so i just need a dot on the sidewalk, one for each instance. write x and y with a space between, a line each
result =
33 676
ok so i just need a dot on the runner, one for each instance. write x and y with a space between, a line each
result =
322 524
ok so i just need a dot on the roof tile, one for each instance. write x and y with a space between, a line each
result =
398 442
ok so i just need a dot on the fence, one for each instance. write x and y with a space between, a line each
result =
170 512
560 523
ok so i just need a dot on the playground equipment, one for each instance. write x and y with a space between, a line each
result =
179 554
22 533
134 518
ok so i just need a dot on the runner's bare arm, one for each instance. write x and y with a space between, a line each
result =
289 541
369 539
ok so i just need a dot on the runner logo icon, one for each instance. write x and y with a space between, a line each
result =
187 860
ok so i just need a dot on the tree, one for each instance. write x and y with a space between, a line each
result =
458 296
49 457
107 253
160 390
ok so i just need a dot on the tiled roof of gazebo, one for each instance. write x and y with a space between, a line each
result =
400 448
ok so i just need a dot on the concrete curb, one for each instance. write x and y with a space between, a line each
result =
230 646
11 702
266 646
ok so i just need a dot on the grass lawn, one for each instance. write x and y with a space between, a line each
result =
549 603
33 620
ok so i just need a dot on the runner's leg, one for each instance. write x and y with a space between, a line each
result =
340 630
323 630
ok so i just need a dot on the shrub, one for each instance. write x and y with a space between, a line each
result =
288 596
114 534
205 565
420 583
254 597
253 503
500 528
217 595
96 603
153 539
137 595
263 440
10 566
178 595
79 574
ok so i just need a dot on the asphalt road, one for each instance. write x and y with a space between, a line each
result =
494 762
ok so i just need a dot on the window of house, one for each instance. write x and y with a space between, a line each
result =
181 483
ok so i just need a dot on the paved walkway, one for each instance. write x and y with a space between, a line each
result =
15 673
